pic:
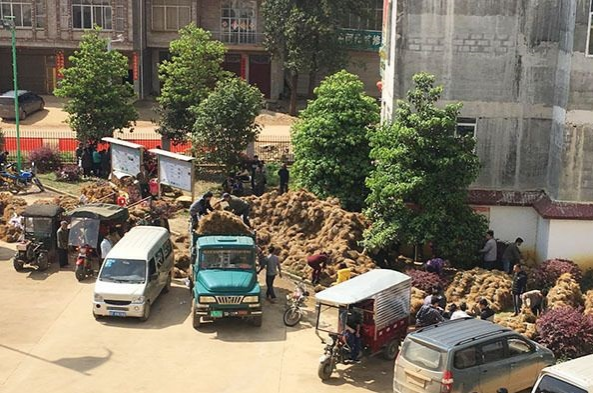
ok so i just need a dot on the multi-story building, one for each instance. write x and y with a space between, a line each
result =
524 73
143 29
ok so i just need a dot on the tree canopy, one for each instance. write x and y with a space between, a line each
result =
187 78
331 143
225 121
99 100
421 176
303 34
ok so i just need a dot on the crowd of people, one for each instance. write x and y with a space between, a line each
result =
93 160
255 174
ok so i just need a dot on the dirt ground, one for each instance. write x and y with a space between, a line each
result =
49 342
53 118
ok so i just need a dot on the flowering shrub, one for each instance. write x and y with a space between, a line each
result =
567 332
46 159
425 281
68 173
546 274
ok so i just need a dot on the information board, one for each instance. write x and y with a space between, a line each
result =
175 173
125 159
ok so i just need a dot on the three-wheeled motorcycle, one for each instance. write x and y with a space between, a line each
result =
89 224
40 226
368 314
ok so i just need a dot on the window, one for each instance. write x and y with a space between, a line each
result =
492 352
170 15
20 10
238 22
549 384
519 346
40 14
370 19
422 355
167 248
89 13
466 127
159 258
466 358
589 48
151 267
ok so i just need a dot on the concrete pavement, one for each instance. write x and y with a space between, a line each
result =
49 342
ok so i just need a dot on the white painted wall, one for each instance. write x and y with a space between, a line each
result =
571 239
543 233
511 222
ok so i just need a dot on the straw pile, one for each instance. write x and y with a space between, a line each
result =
566 292
416 301
222 222
66 202
523 323
588 302
472 285
100 191
301 225
10 205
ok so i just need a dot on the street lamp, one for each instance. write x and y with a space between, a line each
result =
8 24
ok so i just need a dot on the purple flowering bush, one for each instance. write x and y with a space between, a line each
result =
425 281
68 173
46 159
546 274
566 331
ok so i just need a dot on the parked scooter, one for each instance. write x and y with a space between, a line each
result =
19 181
295 301
84 266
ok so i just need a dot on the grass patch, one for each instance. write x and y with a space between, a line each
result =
49 179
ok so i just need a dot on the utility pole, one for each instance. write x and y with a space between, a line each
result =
8 24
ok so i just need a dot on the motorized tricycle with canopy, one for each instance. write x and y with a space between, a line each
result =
89 224
377 302
39 244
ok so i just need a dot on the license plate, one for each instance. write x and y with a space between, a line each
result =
216 314
117 313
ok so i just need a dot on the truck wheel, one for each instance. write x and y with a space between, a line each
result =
146 314
325 369
79 273
391 349
195 318
257 321
42 261
18 264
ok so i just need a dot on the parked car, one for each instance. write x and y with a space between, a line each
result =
574 376
466 356
28 103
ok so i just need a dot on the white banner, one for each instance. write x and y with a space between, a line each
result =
125 159
175 173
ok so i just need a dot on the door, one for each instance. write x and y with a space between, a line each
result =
494 371
152 282
466 364
524 364
168 252
260 68
160 262
232 63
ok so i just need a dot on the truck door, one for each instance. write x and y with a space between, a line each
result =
494 370
524 364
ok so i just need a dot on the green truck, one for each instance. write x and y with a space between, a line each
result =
224 279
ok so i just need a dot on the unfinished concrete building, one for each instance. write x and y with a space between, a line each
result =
524 71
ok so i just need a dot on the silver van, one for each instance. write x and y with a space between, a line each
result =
466 356
574 376
134 273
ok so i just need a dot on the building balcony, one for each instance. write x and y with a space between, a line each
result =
239 38
365 40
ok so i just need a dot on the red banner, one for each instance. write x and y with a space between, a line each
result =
60 64
135 66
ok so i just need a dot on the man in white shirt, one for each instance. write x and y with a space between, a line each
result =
105 246
458 312
489 251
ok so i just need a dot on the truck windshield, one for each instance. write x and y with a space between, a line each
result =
227 259
123 270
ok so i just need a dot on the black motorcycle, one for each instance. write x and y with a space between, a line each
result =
295 301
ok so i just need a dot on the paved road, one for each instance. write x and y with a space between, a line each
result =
49 342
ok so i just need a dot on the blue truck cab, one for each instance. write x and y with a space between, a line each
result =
224 279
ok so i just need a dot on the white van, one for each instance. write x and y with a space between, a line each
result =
574 376
134 273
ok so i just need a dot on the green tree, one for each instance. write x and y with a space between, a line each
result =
225 124
187 79
99 103
330 140
421 177
304 36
